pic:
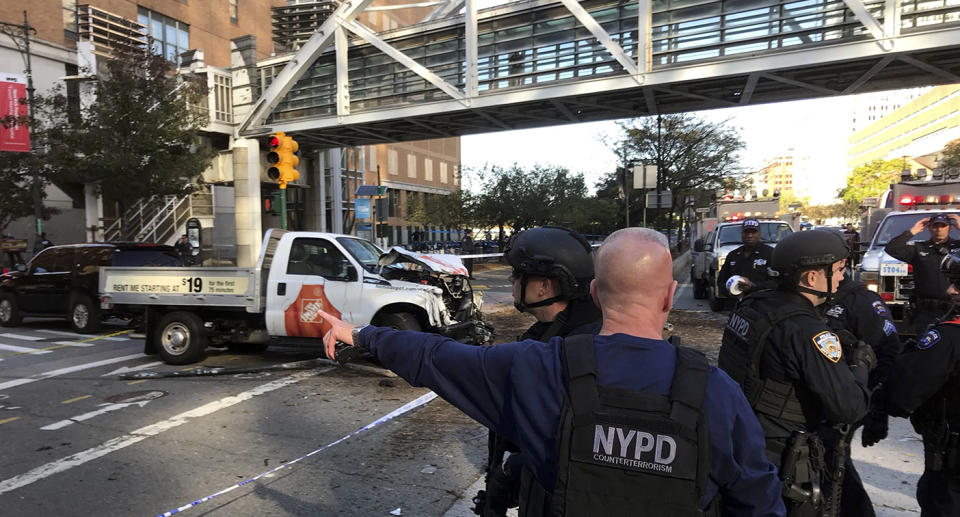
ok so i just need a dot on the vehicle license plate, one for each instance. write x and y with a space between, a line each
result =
893 269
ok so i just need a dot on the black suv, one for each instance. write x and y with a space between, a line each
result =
63 281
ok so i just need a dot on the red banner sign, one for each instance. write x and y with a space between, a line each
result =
14 136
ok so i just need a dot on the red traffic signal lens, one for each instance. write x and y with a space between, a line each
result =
273 142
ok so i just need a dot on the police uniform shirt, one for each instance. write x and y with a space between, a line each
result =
804 351
923 370
862 312
755 266
518 390
925 257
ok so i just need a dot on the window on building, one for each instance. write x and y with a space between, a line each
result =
73 94
233 10
412 165
428 169
392 160
223 98
393 201
170 37
443 172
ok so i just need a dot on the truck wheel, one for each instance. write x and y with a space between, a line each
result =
716 304
400 321
180 338
84 315
9 313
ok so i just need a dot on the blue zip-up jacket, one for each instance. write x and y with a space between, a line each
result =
518 390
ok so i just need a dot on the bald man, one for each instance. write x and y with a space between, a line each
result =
609 423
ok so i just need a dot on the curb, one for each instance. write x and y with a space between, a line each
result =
681 267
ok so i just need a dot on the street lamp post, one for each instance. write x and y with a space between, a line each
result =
25 54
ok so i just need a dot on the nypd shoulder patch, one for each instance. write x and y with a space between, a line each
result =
835 312
932 337
880 308
829 345
889 328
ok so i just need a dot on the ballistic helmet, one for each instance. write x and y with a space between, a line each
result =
808 250
552 252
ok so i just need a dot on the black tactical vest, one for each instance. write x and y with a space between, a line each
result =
744 339
623 452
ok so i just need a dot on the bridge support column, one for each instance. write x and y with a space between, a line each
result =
246 189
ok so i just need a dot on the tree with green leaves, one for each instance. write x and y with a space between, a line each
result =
951 155
870 180
695 157
140 135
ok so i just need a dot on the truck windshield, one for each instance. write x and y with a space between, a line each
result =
364 251
769 232
897 224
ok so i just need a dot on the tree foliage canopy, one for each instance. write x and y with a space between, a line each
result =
869 180
140 136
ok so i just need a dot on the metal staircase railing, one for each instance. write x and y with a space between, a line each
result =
158 218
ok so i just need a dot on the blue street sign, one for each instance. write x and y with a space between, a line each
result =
362 207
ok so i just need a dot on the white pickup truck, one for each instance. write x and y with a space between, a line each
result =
185 309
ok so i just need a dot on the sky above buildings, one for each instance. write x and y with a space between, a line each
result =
816 130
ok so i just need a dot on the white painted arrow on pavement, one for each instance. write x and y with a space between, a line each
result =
106 408
127 369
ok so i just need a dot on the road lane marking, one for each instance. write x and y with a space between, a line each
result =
74 399
104 409
64 371
22 337
143 433
131 383
11 419
127 369
107 337
413 404
23 349
64 344
73 343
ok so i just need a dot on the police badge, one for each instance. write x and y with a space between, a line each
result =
829 345
932 337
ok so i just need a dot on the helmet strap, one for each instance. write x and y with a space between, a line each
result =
828 295
522 305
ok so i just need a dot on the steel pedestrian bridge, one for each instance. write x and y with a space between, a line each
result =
548 62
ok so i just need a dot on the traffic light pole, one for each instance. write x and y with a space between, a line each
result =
283 207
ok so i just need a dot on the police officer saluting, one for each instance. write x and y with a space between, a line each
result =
925 386
621 423
552 270
792 367
930 294
749 262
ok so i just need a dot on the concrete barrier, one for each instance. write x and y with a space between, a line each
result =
681 267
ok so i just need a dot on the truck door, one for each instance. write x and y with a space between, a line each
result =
310 274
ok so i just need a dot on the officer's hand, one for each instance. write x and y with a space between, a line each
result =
875 426
863 356
919 225
955 220
339 331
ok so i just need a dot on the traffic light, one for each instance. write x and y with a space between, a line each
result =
271 203
282 159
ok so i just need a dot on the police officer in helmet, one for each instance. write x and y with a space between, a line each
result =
618 423
792 366
856 310
930 300
551 272
925 386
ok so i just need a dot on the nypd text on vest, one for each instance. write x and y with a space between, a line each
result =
617 445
